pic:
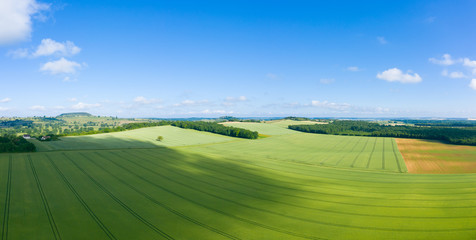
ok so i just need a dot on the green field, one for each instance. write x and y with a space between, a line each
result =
270 128
138 138
205 186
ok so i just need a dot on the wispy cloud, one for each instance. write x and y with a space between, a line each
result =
382 40
236 99
38 108
396 75
190 103
331 105
143 100
230 101
5 100
272 76
353 69
84 106
327 80
430 19
453 74
446 60
18 53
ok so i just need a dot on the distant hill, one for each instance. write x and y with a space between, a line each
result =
75 114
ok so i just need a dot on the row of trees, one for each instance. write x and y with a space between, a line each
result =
10 143
125 127
440 123
464 136
214 127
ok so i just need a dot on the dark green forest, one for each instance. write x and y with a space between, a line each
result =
454 135
214 127
440 123
10 143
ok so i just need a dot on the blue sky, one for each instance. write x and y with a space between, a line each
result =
239 58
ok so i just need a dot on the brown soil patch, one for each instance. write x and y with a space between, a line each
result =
424 156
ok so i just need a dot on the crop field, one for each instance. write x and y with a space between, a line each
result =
289 186
269 128
424 156
366 153
138 138
163 193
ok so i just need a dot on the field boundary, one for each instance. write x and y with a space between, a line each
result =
6 213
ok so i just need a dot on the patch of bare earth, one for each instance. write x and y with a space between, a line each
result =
424 156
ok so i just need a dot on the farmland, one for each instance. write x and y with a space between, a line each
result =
198 185
425 156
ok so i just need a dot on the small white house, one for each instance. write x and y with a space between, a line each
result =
45 138
26 136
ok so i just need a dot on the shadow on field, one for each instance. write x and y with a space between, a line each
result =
92 142
215 193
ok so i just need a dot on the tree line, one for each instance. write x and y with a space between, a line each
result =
9 143
214 127
440 123
463 136
125 127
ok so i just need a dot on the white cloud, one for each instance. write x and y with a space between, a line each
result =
190 103
473 84
60 66
272 76
15 19
143 100
5 100
38 108
236 99
3 109
207 111
382 40
327 80
453 74
331 105
469 63
446 60
353 69
51 47
73 99
81 106
396 75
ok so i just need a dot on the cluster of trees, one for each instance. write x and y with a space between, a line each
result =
297 118
125 127
440 123
11 143
214 127
464 136
234 119
16 123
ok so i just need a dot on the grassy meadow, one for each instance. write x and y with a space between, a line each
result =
197 185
